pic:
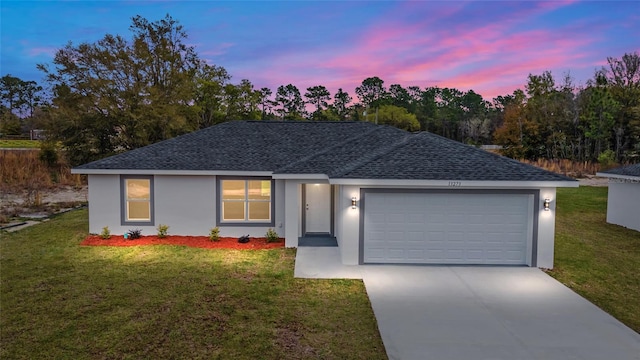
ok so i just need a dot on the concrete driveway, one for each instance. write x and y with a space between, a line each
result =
460 312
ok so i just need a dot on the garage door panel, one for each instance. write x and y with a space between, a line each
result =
415 254
413 218
395 218
394 236
446 228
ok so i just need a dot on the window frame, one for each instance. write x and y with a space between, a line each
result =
124 201
246 223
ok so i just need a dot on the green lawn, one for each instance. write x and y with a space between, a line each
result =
31 144
59 300
599 261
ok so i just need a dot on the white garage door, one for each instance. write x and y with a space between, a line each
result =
447 228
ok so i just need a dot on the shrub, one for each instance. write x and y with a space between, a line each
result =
214 234
162 230
48 154
272 236
134 234
105 234
607 159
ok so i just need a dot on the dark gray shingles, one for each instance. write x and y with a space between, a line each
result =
427 156
354 150
338 149
629 170
236 146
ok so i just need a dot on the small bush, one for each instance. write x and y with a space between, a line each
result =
607 159
272 236
162 230
134 234
48 154
214 234
105 234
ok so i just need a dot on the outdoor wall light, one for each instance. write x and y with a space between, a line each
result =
353 202
546 204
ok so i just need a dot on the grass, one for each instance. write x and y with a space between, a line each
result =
20 144
63 301
599 261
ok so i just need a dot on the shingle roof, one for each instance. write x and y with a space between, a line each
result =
350 150
629 170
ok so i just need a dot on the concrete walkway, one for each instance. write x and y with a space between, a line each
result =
460 312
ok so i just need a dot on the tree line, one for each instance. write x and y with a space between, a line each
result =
119 93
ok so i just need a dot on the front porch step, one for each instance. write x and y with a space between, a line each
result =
317 240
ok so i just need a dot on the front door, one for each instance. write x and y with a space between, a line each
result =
318 208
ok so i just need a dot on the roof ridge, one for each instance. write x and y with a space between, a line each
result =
326 150
372 156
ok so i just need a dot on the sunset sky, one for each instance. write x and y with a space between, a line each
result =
487 46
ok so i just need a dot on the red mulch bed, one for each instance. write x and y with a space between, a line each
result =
192 241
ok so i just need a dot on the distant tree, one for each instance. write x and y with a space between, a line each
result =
475 125
551 107
290 103
598 111
371 92
341 102
398 117
449 112
11 89
264 95
241 101
19 96
400 96
516 133
9 122
318 96
209 93
426 108
623 78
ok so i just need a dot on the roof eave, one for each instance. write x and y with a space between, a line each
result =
168 172
300 176
617 176
453 183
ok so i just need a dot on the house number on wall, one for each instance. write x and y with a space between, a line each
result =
455 183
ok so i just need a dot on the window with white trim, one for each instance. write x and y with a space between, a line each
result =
246 200
137 200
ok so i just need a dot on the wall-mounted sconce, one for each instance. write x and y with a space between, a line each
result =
354 201
546 204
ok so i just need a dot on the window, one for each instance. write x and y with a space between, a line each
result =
246 201
137 200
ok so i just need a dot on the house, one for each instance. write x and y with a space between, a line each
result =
387 195
623 203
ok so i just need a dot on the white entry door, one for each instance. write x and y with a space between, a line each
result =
448 228
318 208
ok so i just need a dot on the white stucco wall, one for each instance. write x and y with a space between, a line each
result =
186 203
623 205
292 203
348 231
546 228
104 203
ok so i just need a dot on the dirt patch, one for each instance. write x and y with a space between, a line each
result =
47 201
593 181
202 242
289 338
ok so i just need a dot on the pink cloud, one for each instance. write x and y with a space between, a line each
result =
217 50
37 51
